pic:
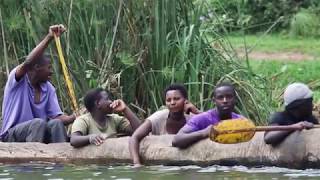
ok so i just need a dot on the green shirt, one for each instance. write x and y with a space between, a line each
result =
116 124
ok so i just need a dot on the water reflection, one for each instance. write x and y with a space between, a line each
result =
51 171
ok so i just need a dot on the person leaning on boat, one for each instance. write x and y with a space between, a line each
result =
30 100
199 126
166 121
100 123
298 112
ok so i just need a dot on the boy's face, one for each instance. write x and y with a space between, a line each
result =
175 101
104 102
224 99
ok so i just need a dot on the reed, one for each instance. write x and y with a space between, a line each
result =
135 49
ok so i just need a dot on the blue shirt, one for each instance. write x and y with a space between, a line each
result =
19 105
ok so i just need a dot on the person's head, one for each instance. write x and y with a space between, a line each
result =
224 97
298 99
42 69
175 97
98 100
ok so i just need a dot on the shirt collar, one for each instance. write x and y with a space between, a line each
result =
216 114
43 86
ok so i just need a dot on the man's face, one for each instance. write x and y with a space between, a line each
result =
224 99
305 109
104 102
44 71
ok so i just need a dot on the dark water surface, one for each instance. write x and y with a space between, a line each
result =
37 171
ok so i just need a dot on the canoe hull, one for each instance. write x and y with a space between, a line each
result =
299 150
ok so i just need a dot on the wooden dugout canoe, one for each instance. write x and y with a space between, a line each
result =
299 150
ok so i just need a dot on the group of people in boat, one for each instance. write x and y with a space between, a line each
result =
31 112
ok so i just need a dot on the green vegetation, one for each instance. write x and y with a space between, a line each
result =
134 49
276 43
259 15
282 73
305 23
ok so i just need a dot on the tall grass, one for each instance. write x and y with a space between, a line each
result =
135 49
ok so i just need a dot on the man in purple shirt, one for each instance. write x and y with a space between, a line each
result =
199 126
30 109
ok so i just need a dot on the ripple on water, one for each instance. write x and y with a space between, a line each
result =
164 172
81 168
162 168
97 173
190 167
306 173
295 173
272 169
240 168
222 168
49 168
208 169
170 168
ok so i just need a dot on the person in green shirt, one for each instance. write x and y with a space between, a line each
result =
100 123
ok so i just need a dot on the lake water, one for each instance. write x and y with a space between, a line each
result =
37 171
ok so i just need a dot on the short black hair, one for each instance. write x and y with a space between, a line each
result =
178 87
223 84
91 97
43 59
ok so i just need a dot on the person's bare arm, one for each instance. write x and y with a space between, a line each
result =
120 106
133 119
275 137
38 51
186 137
191 108
78 140
135 139
66 119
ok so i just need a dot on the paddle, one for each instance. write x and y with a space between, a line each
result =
242 130
66 75
67 78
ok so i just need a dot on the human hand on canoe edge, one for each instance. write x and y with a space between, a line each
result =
206 132
97 139
303 125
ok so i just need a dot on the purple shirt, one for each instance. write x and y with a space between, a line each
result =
203 120
19 105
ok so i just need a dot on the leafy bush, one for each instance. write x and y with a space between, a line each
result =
257 15
305 23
